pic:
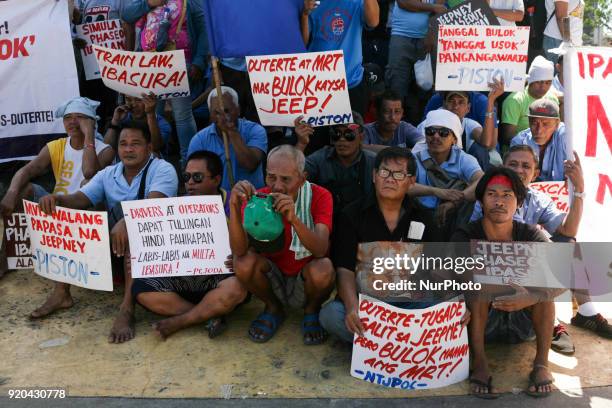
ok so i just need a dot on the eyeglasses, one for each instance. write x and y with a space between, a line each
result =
397 175
197 177
442 131
348 135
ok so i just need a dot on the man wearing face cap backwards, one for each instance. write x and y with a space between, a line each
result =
73 159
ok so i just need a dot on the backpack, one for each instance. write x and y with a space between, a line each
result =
161 28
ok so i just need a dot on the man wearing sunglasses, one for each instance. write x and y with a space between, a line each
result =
446 176
343 168
191 300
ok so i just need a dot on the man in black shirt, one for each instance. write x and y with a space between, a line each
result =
500 192
385 215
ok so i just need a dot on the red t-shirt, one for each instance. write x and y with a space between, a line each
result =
321 208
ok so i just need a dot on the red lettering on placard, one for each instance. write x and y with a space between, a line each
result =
604 181
596 114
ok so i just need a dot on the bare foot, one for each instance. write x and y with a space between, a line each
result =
164 328
480 382
123 327
59 299
540 381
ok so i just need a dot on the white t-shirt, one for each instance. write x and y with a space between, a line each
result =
516 5
71 175
575 11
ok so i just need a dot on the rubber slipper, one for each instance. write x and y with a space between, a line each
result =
536 385
484 395
311 325
268 330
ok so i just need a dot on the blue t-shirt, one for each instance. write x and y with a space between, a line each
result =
555 154
405 135
478 107
109 184
459 165
411 24
253 135
337 25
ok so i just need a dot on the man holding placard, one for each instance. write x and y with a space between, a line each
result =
190 300
138 175
279 236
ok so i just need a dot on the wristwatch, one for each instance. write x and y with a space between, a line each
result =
579 195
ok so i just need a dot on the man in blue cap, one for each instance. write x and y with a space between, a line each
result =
74 159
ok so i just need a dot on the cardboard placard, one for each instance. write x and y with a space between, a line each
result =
108 34
17 238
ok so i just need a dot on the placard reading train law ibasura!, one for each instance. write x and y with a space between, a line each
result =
70 246
177 236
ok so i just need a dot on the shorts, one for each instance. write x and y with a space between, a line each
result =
191 288
288 289
38 192
509 327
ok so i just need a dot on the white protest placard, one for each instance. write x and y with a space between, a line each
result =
411 349
177 236
17 241
108 34
470 57
588 117
556 190
136 73
309 84
37 74
71 246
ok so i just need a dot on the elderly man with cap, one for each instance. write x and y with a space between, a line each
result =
343 168
446 175
73 159
501 192
546 136
279 236
516 107
248 142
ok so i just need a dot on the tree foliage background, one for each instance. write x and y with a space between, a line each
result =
597 13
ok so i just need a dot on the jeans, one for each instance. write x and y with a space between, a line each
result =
185 123
550 43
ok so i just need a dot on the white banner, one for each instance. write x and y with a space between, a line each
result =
71 246
177 236
469 57
37 74
411 349
108 34
137 73
309 84
588 117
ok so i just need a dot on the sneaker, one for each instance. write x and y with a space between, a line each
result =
562 342
596 323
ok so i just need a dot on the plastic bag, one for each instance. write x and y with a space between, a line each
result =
424 73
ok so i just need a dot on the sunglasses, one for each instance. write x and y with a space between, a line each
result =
442 131
397 175
197 177
349 134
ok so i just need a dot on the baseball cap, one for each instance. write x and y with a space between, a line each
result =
263 224
544 108
463 94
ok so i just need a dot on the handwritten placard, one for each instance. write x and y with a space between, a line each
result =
470 57
108 34
70 246
135 73
309 84
17 238
177 236
557 191
411 349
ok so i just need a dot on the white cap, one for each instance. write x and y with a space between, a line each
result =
447 119
541 69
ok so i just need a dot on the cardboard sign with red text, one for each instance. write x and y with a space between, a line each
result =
137 73
587 72
411 349
17 238
70 246
470 57
556 190
108 34
177 236
290 85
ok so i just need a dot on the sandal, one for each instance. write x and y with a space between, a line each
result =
311 325
216 326
268 330
484 395
536 385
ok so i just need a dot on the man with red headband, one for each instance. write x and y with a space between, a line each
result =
500 192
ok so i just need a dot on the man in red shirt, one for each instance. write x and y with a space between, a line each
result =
299 274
